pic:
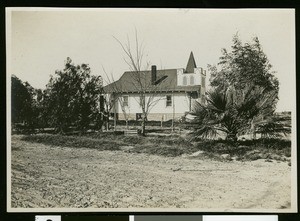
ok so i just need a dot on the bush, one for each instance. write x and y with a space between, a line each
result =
249 149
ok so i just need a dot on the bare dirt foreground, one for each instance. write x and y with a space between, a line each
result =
48 177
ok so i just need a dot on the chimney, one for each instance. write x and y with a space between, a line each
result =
153 74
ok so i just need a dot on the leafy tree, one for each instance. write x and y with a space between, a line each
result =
22 97
245 65
72 98
39 109
244 92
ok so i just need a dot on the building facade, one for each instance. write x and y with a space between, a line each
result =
168 94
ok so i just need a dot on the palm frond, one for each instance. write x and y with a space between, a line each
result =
216 100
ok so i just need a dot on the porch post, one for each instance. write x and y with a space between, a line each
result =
190 98
173 117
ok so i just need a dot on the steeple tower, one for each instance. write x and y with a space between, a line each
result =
191 64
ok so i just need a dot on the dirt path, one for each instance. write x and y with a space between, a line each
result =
46 177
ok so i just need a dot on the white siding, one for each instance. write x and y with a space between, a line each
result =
180 103
158 109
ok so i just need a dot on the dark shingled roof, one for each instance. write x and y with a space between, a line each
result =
191 64
136 81
166 81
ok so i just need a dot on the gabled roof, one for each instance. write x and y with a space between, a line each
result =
191 64
132 81
136 81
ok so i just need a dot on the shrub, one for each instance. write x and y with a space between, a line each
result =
249 149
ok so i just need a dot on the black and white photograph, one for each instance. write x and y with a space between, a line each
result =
151 109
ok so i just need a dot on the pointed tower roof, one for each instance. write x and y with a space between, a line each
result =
191 64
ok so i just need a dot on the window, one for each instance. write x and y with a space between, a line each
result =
184 81
125 101
194 95
138 116
169 101
192 80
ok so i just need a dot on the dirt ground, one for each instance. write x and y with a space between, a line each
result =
51 177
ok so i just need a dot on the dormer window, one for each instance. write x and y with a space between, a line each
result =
184 82
192 80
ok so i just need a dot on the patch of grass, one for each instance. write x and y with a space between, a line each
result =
74 141
172 146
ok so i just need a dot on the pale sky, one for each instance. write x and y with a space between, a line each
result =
39 40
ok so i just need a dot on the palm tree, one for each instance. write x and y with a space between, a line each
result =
275 126
232 111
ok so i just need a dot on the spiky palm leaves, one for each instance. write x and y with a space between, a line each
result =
275 126
232 111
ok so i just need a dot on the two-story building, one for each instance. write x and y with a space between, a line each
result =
168 93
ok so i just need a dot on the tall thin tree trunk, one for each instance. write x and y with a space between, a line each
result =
144 125
252 130
107 121
232 136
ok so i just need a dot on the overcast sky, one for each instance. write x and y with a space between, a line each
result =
40 40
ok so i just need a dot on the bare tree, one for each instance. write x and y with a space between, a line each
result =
114 97
149 91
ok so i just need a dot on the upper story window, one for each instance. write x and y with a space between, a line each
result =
169 101
184 82
125 101
192 80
